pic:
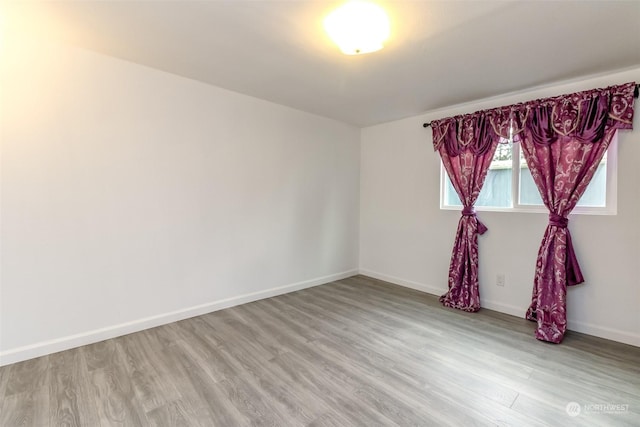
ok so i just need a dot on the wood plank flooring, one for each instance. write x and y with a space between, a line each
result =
357 352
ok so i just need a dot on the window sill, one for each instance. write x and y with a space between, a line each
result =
578 210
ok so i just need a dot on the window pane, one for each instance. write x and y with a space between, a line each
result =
529 194
450 196
496 191
595 194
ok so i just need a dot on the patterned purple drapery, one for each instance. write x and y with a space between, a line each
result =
466 145
563 140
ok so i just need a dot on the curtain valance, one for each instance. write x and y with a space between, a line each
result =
582 116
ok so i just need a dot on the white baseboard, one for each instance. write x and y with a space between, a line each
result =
585 328
402 282
604 332
503 308
64 343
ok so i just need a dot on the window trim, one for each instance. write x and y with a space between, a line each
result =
611 207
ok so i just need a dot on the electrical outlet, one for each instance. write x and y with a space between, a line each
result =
500 279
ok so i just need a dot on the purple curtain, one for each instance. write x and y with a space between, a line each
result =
564 140
466 145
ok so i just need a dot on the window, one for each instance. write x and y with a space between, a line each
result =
505 190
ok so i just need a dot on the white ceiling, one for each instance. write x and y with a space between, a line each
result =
441 53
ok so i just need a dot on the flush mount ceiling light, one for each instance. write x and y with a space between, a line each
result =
358 27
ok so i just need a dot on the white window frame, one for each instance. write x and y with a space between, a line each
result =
611 207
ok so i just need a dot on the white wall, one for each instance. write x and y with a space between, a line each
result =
132 197
406 239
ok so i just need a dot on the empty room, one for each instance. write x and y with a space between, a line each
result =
319 213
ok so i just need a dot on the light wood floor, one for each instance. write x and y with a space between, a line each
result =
357 352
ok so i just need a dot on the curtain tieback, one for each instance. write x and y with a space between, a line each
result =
574 275
558 221
470 211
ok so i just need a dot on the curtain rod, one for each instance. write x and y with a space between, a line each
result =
636 92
